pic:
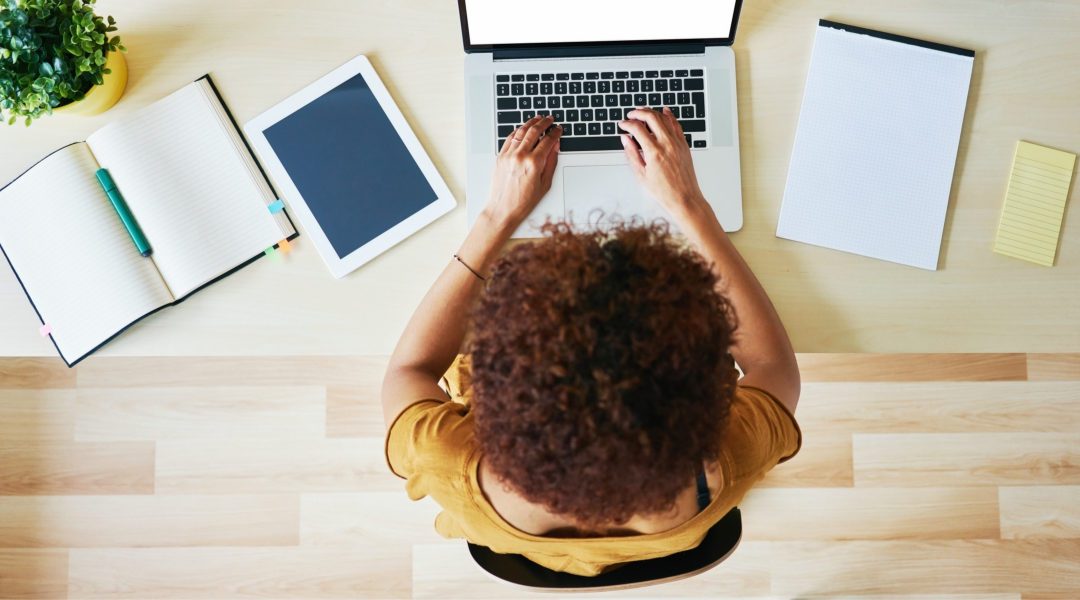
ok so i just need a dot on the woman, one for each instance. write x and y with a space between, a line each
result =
602 420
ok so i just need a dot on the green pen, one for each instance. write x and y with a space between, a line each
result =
122 209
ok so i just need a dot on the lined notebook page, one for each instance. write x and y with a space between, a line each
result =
74 256
872 165
192 193
1034 204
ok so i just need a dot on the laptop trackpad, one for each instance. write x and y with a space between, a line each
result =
595 194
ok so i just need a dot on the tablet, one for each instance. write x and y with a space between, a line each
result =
349 166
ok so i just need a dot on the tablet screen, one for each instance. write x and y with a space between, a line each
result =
347 161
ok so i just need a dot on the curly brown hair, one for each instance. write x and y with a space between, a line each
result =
601 371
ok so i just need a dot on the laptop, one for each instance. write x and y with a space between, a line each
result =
586 63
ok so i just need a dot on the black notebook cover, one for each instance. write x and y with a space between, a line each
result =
262 171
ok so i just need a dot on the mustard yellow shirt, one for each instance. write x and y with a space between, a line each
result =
431 445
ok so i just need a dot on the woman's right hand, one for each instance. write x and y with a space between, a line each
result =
658 154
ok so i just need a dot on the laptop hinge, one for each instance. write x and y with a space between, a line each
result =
600 50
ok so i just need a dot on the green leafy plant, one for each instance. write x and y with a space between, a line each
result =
51 53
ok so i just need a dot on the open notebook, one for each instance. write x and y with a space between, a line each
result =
192 185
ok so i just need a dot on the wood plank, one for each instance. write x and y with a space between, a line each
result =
42 415
870 513
959 459
912 367
349 519
28 468
116 372
354 411
28 574
1053 367
911 567
1040 511
141 521
941 407
823 461
445 570
247 466
35 373
178 413
219 573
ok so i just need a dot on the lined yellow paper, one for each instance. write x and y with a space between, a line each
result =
1034 204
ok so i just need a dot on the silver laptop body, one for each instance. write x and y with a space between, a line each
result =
588 86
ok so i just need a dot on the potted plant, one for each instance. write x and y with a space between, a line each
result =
57 56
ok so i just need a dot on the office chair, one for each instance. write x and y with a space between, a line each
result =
719 543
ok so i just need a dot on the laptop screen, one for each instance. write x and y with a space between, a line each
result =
517 22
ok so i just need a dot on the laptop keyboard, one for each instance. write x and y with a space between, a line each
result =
588 104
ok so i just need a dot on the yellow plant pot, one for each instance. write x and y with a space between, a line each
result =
102 97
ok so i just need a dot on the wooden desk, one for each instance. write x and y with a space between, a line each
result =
1024 87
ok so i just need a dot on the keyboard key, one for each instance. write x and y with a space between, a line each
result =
559 116
689 141
697 73
694 84
510 117
583 102
667 73
633 86
567 129
502 89
597 101
621 75
654 99
626 100
592 76
517 78
572 115
568 101
637 74
594 129
527 114
669 99
586 144
542 113
640 100
693 125
532 89
517 89
539 102
699 143
676 85
601 114
562 76
646 85
615 114
502 78
560 88
507 104
577 76
699 104
604 87
547 89
607 75
579 129
575 87
500 143
652 74
684 97
532 77
687 112
505 130
525 102
661 85
553 102
682 73
589 87
587 114
611 100
547 77
618 87
609 128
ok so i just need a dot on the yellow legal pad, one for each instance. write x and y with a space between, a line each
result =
1034 204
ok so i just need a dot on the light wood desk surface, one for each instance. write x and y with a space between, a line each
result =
1025 87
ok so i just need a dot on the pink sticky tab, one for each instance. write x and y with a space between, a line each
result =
284 247
45 330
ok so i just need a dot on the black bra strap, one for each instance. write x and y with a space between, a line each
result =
703 496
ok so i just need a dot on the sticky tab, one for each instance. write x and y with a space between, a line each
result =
272 253
276 206
284 247
45 330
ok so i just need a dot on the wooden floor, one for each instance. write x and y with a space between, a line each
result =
922 476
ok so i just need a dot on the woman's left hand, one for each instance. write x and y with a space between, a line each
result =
523 171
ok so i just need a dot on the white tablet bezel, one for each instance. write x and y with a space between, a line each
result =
339 267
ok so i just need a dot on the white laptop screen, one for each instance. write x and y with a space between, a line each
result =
514 22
